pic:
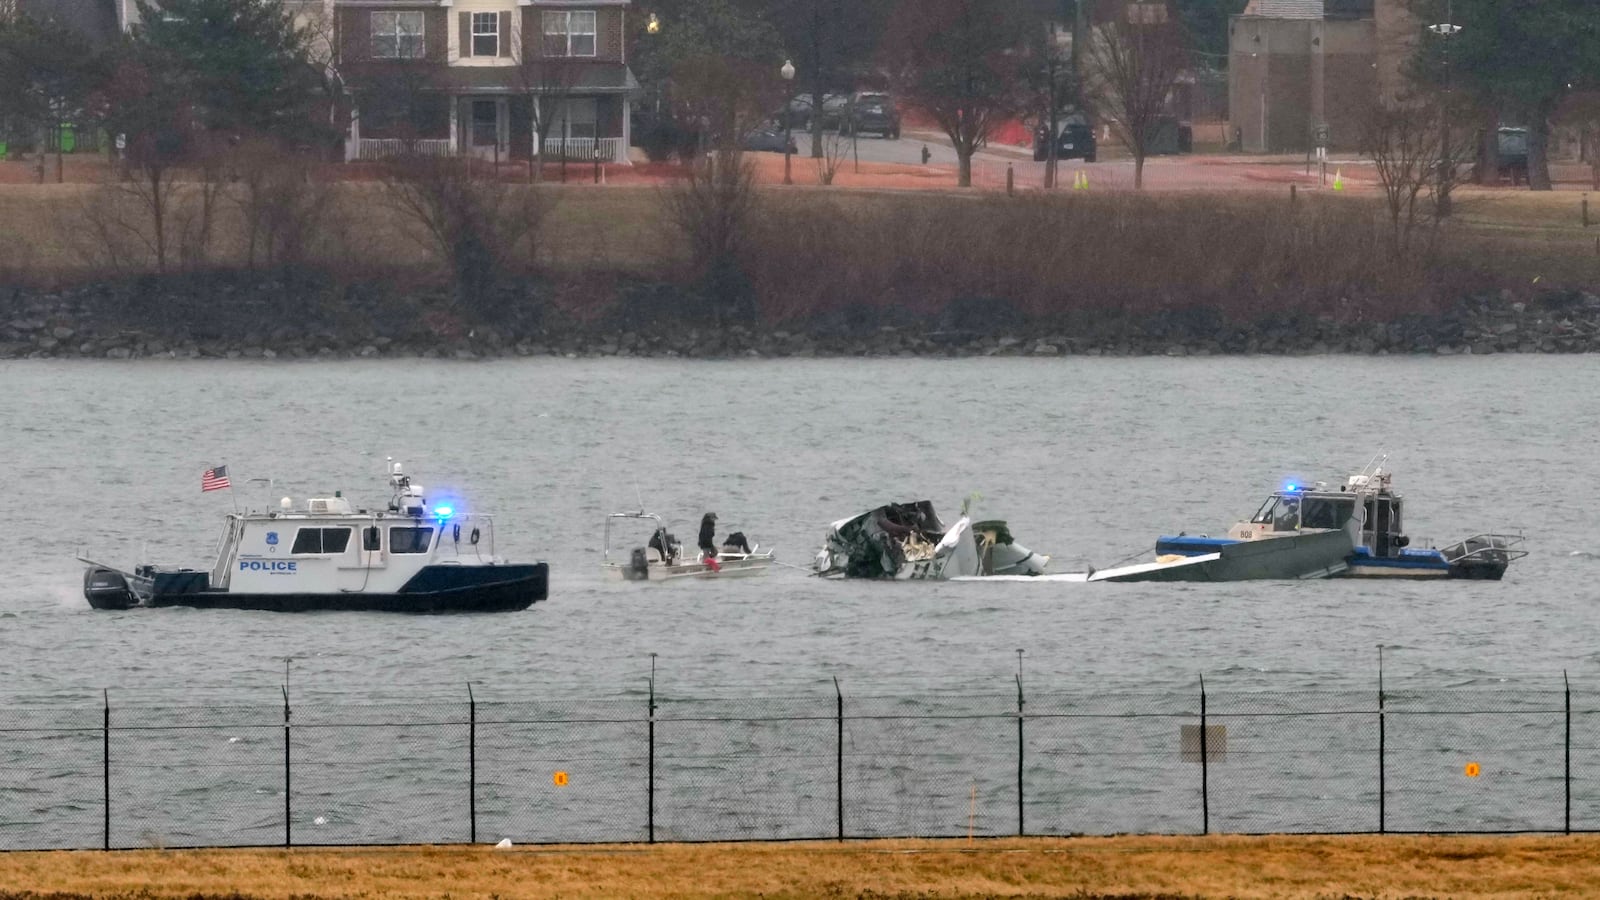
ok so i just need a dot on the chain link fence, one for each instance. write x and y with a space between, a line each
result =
817 765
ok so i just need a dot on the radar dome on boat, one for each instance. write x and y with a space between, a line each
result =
286 504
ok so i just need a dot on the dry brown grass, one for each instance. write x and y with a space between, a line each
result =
1246 867
816 251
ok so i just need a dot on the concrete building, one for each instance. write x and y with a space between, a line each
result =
1299 66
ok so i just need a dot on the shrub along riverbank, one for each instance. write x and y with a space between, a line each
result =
813 273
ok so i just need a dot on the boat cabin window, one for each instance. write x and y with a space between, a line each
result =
369 538
313 541
410 540
1327 513
1286 514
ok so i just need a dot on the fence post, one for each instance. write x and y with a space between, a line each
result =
1566 822
288 814
1205 765
838 758
650 801
1383 821
472 765
1020 757
105 763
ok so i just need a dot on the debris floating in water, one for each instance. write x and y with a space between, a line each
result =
319 820
233 740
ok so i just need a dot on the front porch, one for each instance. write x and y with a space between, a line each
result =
504 128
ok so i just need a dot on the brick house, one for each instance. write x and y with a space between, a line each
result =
448 77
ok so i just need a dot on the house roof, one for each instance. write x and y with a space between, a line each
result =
585 78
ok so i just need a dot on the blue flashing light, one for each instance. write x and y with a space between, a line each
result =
1291 487
444 512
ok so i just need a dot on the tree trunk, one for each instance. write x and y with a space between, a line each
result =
816 122
1487 170
1539 152
1138 170
964 170
158 217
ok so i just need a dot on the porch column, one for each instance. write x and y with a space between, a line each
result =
352 137
502 126
455 124
627 130
533 123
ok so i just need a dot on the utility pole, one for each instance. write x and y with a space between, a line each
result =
816 79
1447 164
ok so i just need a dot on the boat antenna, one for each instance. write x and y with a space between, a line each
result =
266 502
637 495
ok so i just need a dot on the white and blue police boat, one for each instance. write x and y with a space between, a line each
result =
327 555
1382 550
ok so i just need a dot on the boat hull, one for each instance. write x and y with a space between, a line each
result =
433 590
729 567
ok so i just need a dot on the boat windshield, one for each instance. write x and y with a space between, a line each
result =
1264 514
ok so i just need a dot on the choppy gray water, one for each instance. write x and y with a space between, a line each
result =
1089 460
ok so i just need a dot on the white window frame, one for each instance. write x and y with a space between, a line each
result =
391 43
571 27
479 20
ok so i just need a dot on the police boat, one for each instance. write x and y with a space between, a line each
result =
1383 550
410 557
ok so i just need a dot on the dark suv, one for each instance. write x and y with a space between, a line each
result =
1076 140
870 112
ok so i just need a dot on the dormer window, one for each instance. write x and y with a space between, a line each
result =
397 35
569 33
485 34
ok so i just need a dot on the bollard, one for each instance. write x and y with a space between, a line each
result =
1292 191
1586 210
1011 182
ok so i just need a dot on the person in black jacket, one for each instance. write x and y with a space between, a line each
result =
708 534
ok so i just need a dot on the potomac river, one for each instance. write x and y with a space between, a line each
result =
1088 459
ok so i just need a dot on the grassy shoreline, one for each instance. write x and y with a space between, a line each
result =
1084 868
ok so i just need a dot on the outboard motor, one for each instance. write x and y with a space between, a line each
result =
638 568
107 589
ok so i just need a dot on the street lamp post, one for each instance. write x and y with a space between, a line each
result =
788 118
1447 170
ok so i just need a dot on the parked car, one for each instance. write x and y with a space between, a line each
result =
768 140
1075 141
799 111
871 113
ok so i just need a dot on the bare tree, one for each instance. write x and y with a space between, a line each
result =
835 148
282 207
1402 143
474 225
712 209
1132 63
548 79
960 62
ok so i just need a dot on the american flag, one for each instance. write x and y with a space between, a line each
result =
215 479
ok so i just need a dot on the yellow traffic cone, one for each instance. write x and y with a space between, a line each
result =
1338 179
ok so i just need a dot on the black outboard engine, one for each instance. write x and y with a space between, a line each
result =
107 589
638 568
